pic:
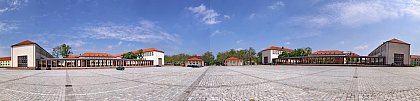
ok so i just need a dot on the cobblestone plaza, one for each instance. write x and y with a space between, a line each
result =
263 83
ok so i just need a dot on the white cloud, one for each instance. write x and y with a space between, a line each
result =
226 16
287 43
361 47
220 32
145 31
276 5
239 49
356 13
11 5
239 41
251 16
341 42
208 16
120 43
75 43
4 27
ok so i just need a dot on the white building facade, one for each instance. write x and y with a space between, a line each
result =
154 54
271 53
26 54
396 52
5 62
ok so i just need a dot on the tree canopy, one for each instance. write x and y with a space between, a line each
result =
247 55
297 52
62 50
131 55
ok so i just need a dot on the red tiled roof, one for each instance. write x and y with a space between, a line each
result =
233 58
26 42
96 55
279 49
415 56
351 54
119 55
72 56
194 59
148 50
328 52
5 58
397 41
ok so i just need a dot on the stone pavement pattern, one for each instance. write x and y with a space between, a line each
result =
262 83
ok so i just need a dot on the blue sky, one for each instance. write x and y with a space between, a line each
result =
197 26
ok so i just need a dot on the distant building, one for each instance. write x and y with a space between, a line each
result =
5 61
90 55
154 54
232 61
194 61
26 54
333 53
273 52
415 60
396 52
334 56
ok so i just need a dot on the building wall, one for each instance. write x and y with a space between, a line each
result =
5 63
388 50
200 63
399 49
33 52
271 54
155 57
234 62
415 62
25 50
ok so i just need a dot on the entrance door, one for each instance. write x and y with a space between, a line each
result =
265 60
160 61
22 61
399 59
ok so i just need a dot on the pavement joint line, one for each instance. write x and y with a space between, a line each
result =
187 92
68 92
294 86
22 77
137 81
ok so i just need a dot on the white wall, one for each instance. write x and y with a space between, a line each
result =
28 50
155 57
399 49
270 54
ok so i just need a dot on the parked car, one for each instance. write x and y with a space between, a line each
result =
194 66
120 68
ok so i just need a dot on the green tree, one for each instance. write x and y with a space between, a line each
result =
140 54
259 58
62 50
296 53
208 58
130 55
56 51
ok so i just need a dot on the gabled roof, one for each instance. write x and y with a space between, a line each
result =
397 41
233 58
279 49
5 58
194 59
26 42
415 56
96 55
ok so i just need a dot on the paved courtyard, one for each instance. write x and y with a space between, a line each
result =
264 83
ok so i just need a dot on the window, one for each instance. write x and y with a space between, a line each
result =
22 61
